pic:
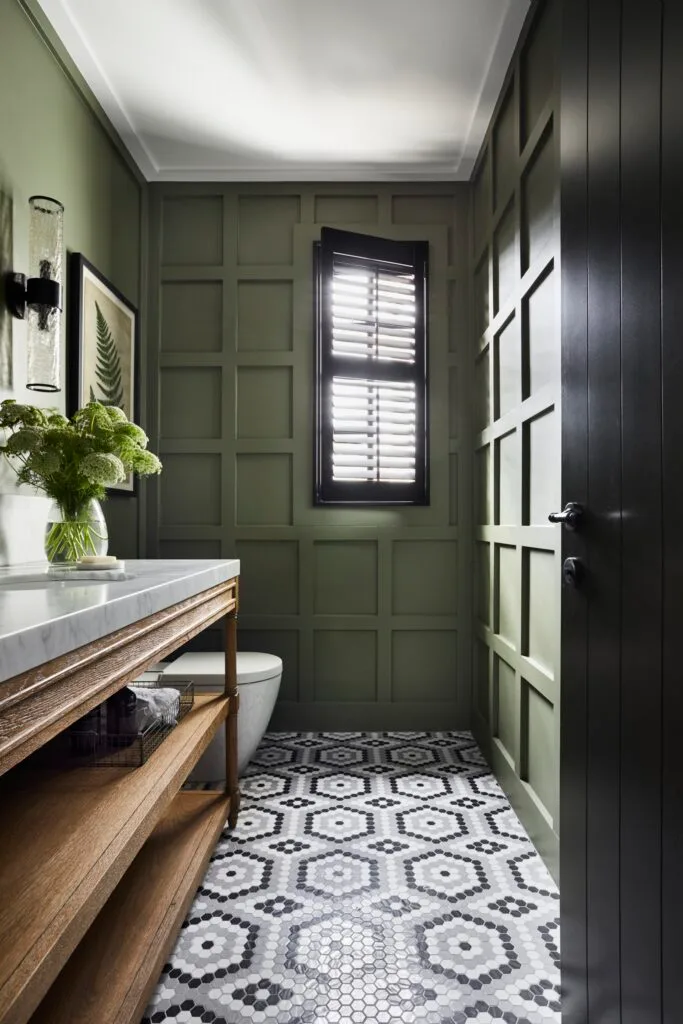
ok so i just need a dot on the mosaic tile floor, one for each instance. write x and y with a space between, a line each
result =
372 877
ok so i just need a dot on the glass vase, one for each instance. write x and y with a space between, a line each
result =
72 533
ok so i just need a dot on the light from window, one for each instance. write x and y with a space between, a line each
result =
371 370
373 430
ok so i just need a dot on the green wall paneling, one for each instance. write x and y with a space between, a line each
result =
192 231
370 608
57 141
191 316
515 379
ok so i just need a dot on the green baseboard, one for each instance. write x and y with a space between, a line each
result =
541 833
331 716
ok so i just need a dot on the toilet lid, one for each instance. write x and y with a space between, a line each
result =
253 667
207 668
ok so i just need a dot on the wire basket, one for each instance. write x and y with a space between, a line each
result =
94 745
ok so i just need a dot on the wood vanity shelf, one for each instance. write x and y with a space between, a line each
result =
98 866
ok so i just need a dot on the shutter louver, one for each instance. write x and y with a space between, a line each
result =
372 373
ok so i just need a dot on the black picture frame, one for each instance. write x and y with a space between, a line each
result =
103 347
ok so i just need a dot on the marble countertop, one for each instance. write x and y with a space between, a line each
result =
42 619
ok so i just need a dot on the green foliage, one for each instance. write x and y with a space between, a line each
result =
108 366
74 460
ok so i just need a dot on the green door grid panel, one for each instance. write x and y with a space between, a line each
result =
514 272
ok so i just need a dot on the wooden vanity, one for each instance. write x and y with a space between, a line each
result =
98 866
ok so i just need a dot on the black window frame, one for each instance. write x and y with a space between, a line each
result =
368 250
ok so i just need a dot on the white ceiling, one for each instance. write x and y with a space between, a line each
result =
278 90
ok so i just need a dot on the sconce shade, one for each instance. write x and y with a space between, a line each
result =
43 293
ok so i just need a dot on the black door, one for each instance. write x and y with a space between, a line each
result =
622 665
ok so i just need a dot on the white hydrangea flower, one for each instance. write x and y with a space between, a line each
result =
45 462
133 432
116 415
147 463
103 468
26 439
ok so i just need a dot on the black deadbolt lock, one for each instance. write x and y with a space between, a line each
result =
573 572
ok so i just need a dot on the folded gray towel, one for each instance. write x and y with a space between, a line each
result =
156 704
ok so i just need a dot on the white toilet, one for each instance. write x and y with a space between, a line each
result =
258 682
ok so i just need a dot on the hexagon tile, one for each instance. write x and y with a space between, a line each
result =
372 877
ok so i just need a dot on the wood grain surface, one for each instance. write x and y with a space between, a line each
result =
111 975
67 839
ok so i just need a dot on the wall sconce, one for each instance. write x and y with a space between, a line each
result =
39 299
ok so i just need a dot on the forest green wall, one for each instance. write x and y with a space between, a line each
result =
54 141
516 382
370 609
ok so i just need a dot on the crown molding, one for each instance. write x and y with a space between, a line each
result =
358 173
502 51
65 25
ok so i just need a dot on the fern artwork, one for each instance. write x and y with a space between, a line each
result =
108 365
103 330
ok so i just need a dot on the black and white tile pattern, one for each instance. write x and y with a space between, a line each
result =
372 877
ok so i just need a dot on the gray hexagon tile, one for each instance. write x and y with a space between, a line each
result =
372 878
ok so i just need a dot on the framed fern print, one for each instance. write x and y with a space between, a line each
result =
102 345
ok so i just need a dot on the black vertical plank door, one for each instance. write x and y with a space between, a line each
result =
641 591
672 491
622 343
604 527
573 219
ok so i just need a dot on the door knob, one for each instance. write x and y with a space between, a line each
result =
571 515
572 572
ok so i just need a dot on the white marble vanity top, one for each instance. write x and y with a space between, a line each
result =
43 619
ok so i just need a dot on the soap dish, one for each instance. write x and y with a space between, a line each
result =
112 563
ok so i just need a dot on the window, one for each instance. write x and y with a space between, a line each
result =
371 371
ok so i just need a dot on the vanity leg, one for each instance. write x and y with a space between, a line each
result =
232 783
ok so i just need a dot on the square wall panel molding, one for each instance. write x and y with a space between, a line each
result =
192 231
197 420
263 484
367 607
429 656
191 316
422 577
345 665
264 229
264 402
346 580
269 578
264 315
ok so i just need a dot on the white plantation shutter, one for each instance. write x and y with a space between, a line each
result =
373 313
371 395
373 430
